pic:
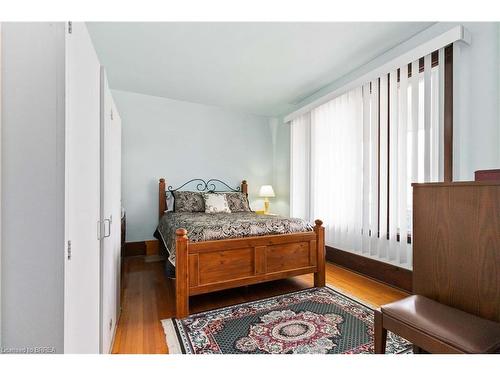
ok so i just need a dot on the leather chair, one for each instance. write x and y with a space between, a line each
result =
435 328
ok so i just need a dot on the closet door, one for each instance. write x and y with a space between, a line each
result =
81 287
110 213
117 202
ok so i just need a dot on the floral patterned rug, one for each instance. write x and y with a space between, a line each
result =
315 320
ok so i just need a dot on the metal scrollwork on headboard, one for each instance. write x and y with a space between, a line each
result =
212 186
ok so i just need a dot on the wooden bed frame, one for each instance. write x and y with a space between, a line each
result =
208 266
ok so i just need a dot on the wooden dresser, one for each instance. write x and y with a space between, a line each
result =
456 245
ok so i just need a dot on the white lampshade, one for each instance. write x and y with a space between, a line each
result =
266 191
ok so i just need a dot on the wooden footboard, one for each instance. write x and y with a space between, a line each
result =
203 267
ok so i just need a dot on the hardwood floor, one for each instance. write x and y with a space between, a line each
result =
148 296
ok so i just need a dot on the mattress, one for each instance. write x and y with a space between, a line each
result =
202 226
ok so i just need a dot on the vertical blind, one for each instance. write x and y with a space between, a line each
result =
353 159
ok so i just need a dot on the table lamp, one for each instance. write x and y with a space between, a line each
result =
266 192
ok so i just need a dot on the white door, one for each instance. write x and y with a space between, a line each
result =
81 286
111 214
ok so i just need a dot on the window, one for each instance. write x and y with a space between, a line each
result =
354 158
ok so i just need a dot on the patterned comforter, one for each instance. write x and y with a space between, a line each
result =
205 227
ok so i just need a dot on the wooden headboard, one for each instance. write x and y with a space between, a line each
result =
213 185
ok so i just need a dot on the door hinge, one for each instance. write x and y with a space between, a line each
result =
111 114
69 249
70 27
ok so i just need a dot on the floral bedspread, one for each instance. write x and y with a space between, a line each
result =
205 227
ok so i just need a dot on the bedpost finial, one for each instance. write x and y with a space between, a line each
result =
244 187
162 179
181 232
318 222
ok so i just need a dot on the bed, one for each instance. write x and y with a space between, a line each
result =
216 251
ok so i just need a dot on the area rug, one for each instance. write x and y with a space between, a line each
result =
315 320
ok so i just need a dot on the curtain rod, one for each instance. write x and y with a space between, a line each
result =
457 33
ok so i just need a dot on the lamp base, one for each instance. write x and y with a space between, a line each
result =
266 205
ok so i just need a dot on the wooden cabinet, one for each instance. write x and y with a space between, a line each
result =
456 245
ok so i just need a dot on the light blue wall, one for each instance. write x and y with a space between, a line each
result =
281 165
179 141
476 127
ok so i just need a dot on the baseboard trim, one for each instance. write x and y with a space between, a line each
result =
149 248
395 276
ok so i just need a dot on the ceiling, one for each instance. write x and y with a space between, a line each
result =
259 68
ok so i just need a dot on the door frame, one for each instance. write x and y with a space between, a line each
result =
0 184
102 141
101 204
104 85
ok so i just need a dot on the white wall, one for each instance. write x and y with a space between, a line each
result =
179 141
32 195
476 96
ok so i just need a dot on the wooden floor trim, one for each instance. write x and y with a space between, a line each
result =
149 247
392 275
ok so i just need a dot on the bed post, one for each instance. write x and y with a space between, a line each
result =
319 276
181 274
162 198
244 187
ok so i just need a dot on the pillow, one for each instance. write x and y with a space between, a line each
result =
238 202
188 201
215 203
